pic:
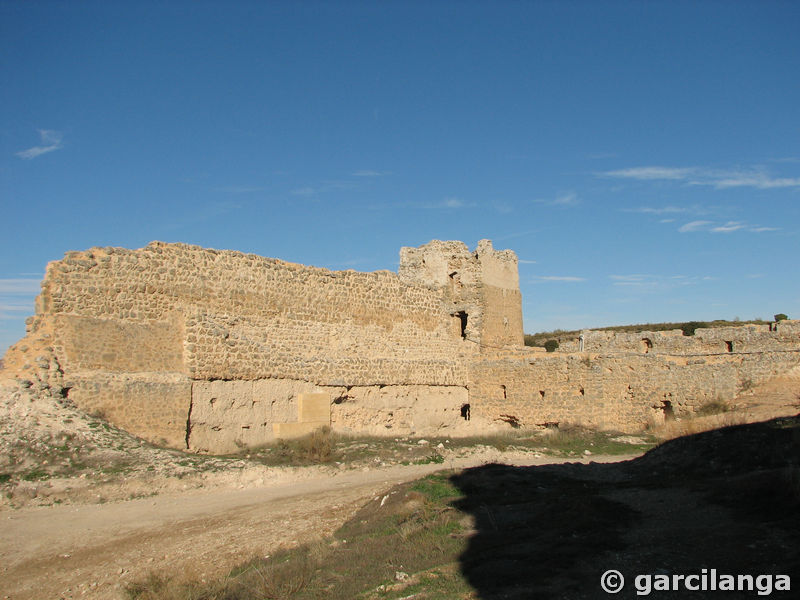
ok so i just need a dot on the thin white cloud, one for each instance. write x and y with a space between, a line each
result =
338 184
370 173
564 199
648 283
752 179
502 207
447 203
20 286
569 199
663 210
562 278
651 173
526 262
15 308
50 140
694 226
729 227
326 186
755 177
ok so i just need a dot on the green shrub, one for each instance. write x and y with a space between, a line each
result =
551 345
690 327
780 317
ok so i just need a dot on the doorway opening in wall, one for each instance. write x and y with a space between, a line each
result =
462 323
465 412
729 346
669 414
647 344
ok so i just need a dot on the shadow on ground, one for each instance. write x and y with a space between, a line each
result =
727 500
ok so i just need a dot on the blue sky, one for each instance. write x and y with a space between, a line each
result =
642 158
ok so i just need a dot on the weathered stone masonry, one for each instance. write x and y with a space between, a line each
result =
211 350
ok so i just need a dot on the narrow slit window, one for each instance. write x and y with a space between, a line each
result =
462 323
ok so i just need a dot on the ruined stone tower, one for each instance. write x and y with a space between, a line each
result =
481 288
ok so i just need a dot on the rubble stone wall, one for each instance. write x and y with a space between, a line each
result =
710 340
623 391
209 350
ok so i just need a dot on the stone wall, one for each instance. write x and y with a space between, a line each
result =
623 391
229 415
210 350
711 340
214 346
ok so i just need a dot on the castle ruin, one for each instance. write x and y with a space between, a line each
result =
212 350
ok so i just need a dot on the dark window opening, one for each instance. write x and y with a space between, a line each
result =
729 346
455 280
647 344
465 412
462 317
669 414
505 396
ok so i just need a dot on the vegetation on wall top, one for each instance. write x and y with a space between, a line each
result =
560 335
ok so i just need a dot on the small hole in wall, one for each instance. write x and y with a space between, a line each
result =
462 323
505 395
729 346
541 393
465 412
669 414
581 392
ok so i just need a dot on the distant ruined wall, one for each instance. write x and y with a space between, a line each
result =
621 391
214 350
711 340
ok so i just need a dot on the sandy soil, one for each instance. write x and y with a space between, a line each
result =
92 551
222 518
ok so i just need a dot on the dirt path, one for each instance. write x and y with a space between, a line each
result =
92 551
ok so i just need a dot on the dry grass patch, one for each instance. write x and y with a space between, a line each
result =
692 425
413 528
